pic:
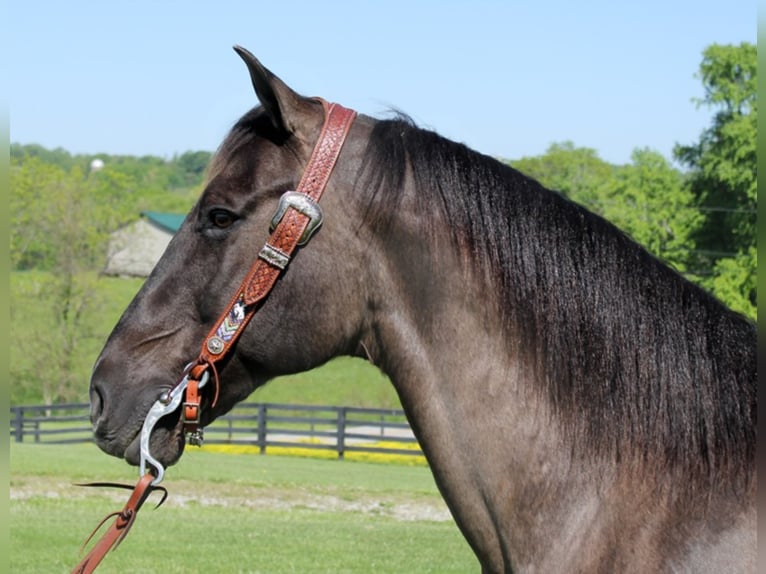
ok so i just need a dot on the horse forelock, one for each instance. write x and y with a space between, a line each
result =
638 362
243 133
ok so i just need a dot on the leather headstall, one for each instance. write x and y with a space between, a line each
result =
298 216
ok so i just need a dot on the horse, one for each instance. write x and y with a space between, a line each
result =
582 406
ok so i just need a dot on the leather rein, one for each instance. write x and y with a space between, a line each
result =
296 219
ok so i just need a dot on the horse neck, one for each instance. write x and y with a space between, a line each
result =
506 462
498 454
434 332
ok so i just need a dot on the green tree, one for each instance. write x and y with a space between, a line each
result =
58 157
31 181
61 214
54 227
723 167
646 198
735 280
116 194
190 168
649 200
577 172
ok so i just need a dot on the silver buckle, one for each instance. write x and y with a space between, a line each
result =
303 204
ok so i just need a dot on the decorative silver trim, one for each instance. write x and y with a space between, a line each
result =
274 256
215 345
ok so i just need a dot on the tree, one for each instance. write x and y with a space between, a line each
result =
577 172
29 242
723 173
735 280
55 228
58 157
61 214
190 168
648 199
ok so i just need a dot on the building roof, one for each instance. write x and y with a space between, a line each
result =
169 222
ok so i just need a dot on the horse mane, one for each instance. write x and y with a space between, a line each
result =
637 361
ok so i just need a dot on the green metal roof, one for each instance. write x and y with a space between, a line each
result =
168 221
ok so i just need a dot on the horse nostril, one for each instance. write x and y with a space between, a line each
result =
96 404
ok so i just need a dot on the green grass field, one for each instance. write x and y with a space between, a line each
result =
235 513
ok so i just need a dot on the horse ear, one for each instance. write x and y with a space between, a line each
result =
282 104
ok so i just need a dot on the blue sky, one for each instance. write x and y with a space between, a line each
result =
508 78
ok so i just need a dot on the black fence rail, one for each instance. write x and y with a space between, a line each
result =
262 425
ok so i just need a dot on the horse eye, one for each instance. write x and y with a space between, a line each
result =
221 218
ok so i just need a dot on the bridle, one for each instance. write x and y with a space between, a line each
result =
297 217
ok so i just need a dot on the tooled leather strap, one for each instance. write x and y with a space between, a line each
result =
301 213
119 528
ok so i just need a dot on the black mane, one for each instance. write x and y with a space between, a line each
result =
640 362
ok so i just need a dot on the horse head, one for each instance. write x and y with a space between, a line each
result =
306 320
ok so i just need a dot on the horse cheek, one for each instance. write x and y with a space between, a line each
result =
306 321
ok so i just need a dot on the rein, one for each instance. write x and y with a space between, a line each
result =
297 217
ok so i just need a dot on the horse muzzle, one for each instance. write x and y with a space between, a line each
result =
117 421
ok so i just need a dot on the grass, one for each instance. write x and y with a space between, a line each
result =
235 513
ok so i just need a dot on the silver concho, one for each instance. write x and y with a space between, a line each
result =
215 345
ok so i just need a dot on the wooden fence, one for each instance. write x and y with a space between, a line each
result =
264 425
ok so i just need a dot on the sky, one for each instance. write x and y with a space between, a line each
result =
507 78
